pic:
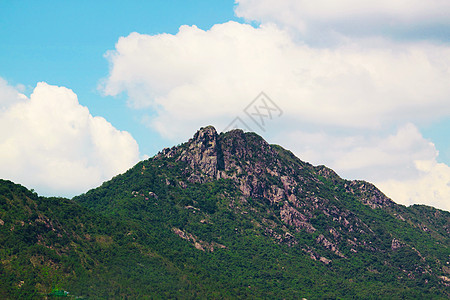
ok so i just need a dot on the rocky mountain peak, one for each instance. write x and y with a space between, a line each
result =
203 154
261 170
213 156
204 135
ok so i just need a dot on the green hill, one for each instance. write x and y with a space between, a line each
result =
223 216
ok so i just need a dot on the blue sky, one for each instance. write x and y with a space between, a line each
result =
364 86
64 42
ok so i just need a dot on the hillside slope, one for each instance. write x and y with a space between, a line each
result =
49 243
233 194
223 216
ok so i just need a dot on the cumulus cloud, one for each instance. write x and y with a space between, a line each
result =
373 153
51 143
322 19
344 102
9 95
197 76
403 164
431 187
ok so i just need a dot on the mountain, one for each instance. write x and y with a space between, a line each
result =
223 216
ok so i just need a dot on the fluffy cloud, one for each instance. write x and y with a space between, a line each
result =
51 143
197 76
431 187
343 101
324 18
9 95
355 154
402 164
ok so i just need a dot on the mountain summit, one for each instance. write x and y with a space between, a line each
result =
250 161
230 216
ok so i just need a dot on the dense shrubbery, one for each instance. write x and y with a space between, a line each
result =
118 240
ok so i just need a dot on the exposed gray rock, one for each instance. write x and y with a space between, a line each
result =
329 245
396 244
292 217
369 194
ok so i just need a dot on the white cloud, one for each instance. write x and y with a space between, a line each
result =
431 187
321 19
402 164
197 76
51 143
341 101
9 95
368 155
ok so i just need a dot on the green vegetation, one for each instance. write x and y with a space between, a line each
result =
153 233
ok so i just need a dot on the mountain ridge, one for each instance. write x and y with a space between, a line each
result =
210 160
229 216
301 196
